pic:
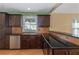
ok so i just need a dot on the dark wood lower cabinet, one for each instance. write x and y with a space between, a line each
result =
31 42
25 44
26 41
51 50
4 42
74 52
60 52
38 40
64 51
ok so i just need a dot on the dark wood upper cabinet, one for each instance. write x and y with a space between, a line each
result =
2 23
14 20
43 20
2 19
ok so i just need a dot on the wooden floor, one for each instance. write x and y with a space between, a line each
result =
22 52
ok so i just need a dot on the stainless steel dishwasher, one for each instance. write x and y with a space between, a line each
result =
14 42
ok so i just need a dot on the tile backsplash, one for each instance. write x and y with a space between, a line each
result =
16 30
43 29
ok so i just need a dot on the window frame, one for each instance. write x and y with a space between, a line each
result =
75 26
22 24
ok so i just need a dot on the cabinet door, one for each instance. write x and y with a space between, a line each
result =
7 20
2 19
36 42
39 42
4 42
14 20
31 42
28 42
2 37
25 42
74 52
43 21
60 52
2 24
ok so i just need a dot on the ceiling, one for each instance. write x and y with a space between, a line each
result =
23 7
39 7
67 8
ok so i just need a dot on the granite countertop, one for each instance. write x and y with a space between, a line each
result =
66 37
55 44
63 33
30 34
26 34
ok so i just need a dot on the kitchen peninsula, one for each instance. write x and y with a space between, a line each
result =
58 43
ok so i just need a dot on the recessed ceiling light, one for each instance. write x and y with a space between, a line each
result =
28 8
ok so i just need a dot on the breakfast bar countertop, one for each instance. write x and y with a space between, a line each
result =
55 42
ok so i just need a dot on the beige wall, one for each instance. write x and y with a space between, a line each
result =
62 22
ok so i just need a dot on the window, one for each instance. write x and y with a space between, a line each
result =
29 24
75 27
